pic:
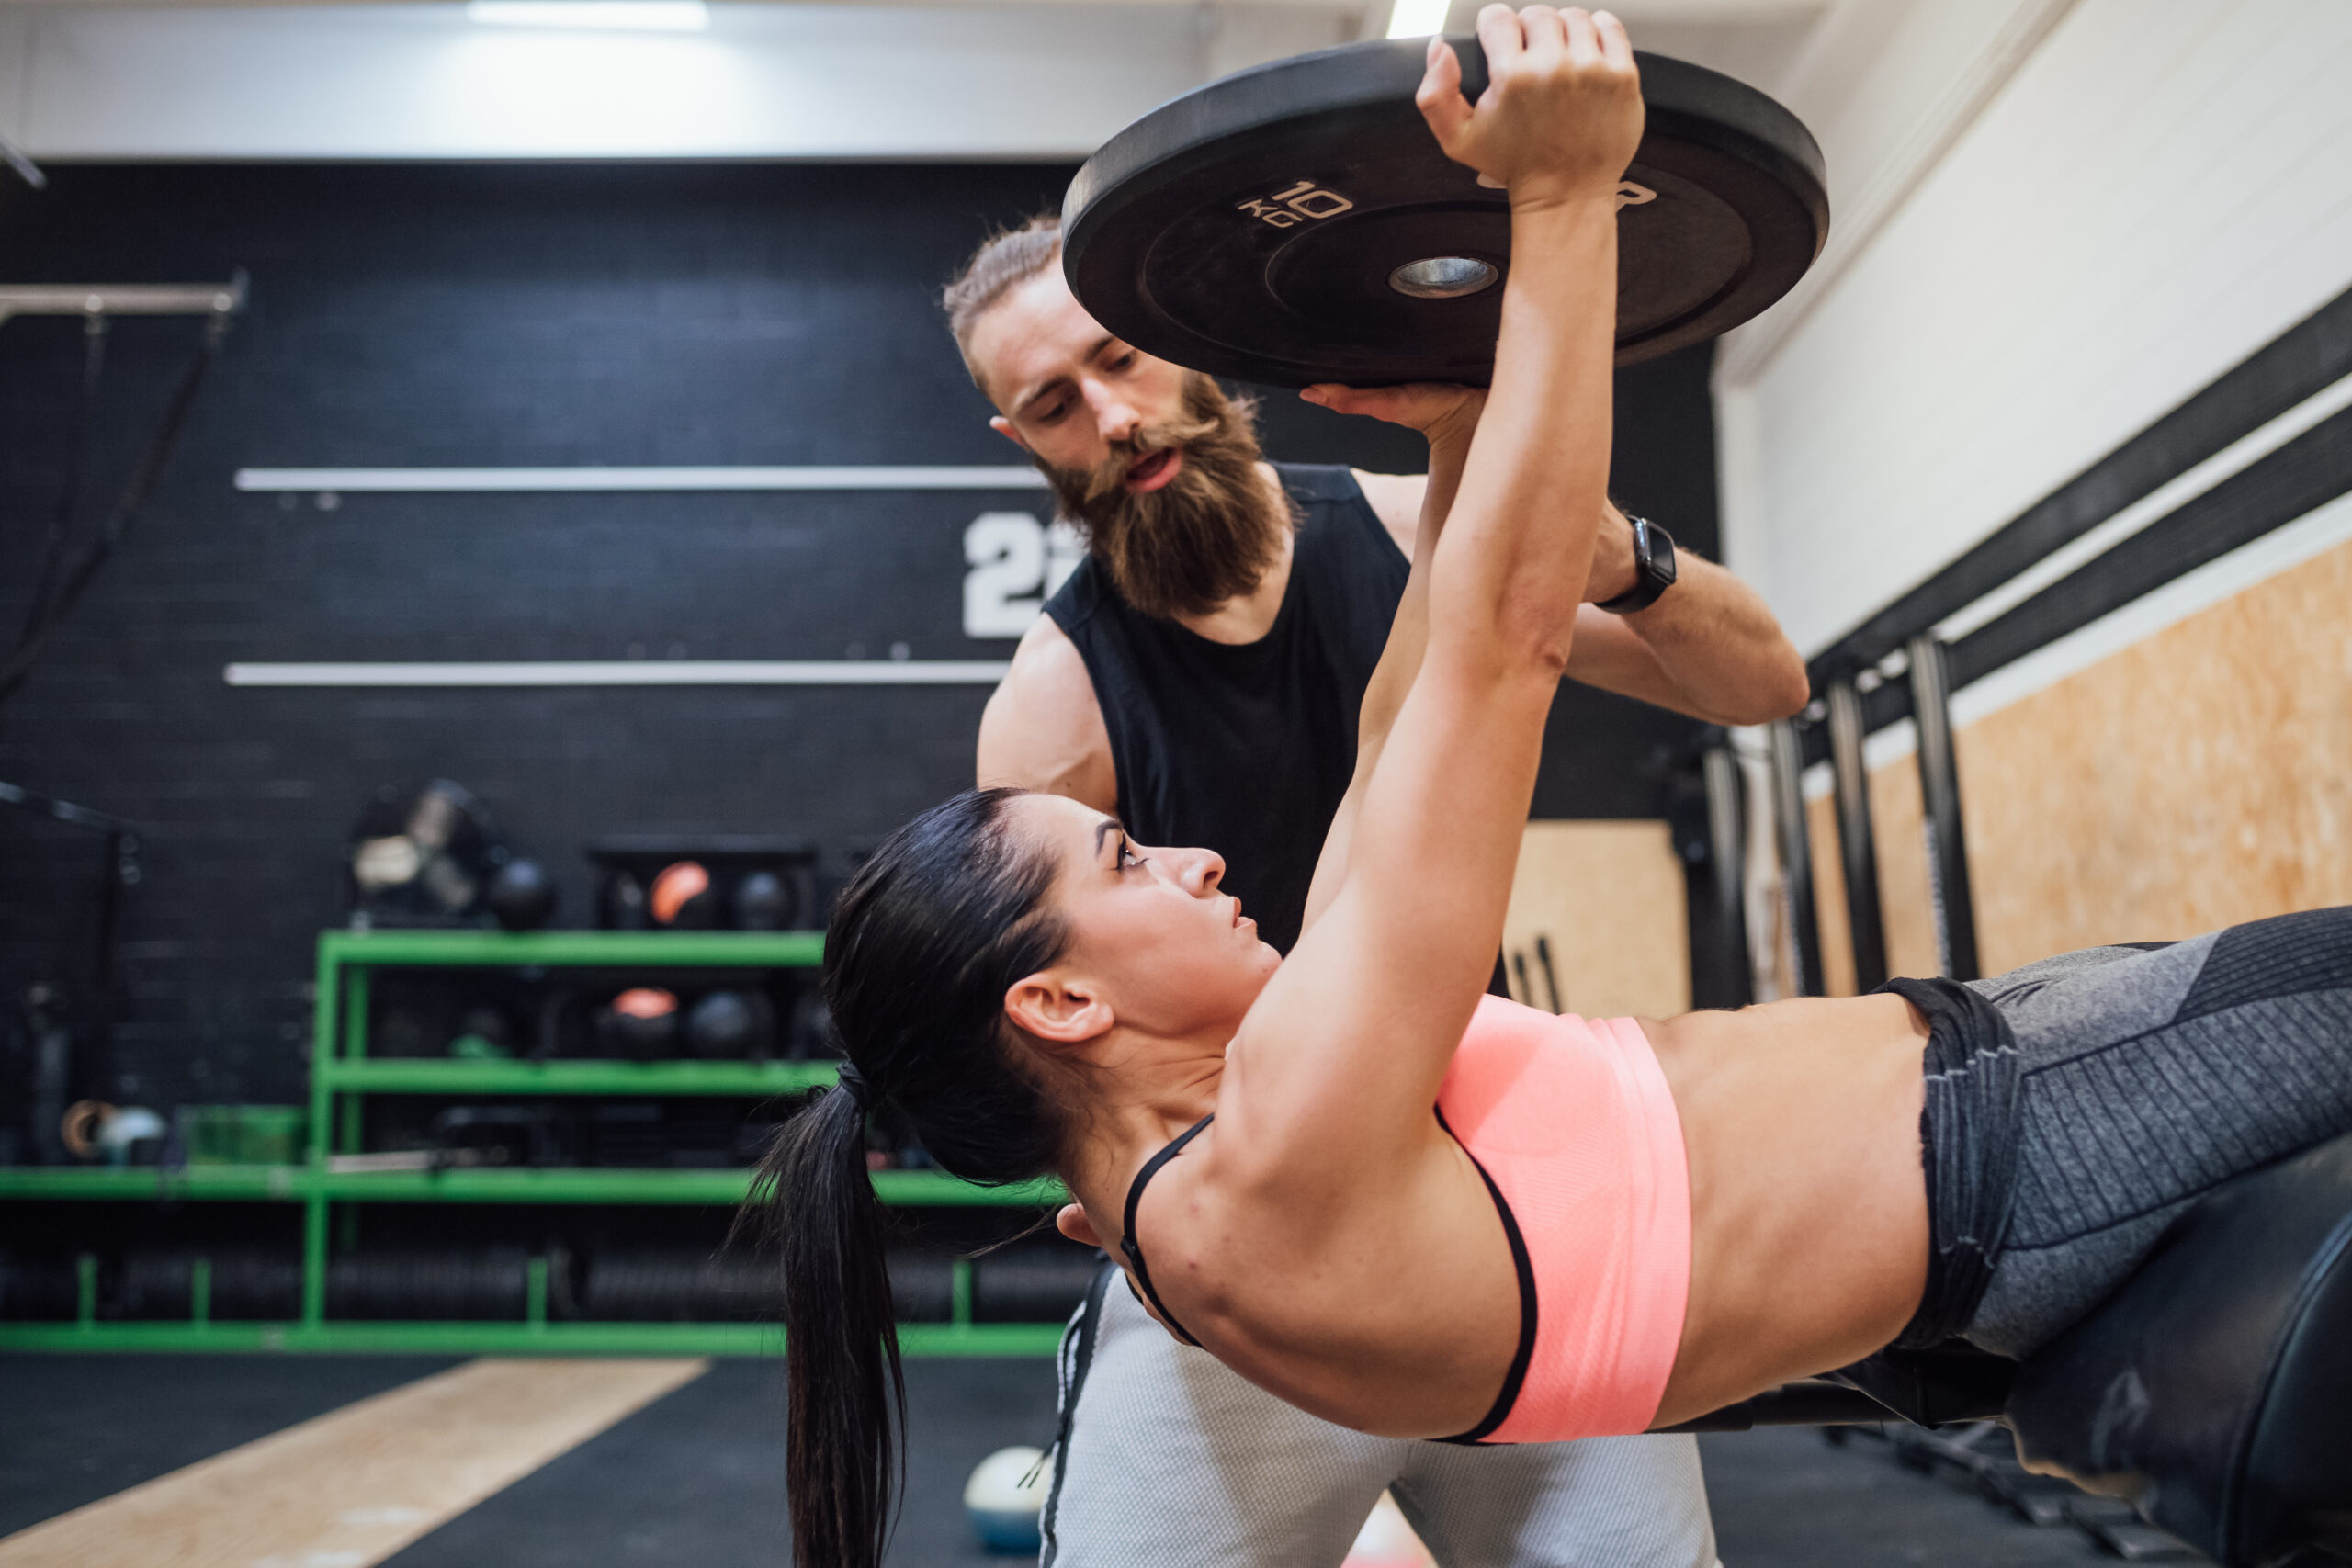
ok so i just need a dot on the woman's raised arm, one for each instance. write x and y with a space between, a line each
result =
1368 1009
1447 417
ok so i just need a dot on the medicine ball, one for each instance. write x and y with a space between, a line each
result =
730 1025
484 1033
624 903
1004 1498
645 1021
763 902
522 896
681 896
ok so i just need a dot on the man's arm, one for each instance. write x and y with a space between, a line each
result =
1044 731
1709 646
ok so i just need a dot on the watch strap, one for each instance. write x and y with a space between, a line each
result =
1654 569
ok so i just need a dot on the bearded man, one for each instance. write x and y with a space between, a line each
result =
1199 676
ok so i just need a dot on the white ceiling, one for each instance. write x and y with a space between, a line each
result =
1886 86
869 78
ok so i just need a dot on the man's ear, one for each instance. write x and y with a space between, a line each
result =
1053 1005
1072 1222
1003 427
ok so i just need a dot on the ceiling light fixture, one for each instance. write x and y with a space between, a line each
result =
1417 18
593 15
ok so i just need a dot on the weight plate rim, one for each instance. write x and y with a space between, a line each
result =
1688 103
1670 88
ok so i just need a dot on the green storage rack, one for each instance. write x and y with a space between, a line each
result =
343 1074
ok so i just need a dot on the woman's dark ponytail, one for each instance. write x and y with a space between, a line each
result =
924 943
846 1398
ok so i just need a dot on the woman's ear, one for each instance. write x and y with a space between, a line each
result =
1072 1222
1053 1005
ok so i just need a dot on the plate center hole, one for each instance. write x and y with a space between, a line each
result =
1442 277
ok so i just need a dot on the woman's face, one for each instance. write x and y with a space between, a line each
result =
1168 951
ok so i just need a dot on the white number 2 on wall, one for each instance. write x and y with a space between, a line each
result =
1016 563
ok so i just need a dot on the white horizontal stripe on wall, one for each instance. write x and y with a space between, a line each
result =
1006 476
632 672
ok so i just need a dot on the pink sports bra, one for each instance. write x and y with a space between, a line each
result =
1572 1125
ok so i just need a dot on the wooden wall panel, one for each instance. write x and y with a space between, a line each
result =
2199 778
1610 901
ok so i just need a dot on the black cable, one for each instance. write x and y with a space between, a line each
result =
134 495
69 491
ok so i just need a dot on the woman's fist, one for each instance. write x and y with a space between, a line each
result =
1562 112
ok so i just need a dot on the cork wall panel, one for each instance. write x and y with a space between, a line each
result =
1608 900
2199 778
1897 816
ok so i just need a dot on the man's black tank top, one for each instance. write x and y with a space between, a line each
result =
1248 748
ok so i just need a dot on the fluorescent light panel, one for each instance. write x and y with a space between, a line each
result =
1417 18
593 15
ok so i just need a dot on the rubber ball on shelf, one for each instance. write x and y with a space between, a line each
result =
646 1019
484 1034
729 1024
521 895
681 896
1003 1499
763 902
624 903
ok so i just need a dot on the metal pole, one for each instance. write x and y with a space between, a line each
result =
1796 857
1948 885
1727 865
1856 846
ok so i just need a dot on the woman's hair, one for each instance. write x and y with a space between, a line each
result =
923 945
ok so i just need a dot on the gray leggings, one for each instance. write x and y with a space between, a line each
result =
2143 1077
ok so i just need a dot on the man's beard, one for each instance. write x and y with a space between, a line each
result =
1206 536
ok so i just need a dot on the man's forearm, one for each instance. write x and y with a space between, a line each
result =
1719 647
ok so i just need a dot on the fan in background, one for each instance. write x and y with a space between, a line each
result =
441 863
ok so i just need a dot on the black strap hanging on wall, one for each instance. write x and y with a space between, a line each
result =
143 476
77 444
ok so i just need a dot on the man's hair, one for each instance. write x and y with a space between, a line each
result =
1008 257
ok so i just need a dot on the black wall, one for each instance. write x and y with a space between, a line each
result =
471 315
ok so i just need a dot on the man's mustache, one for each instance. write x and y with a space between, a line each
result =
1109 477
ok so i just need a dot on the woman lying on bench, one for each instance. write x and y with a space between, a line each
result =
1420 1211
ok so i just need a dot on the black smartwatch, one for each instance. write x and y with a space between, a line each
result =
1653 568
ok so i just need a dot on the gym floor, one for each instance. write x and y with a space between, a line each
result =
682 1468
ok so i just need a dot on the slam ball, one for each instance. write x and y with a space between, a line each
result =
1003 1499
646 1019
763 903
727 1024
681 896
522 896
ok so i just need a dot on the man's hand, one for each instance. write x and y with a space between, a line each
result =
1442 413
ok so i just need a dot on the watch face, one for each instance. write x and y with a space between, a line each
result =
1657 554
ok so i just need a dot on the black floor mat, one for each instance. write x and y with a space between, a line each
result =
74 1428
1786 1497
698 1477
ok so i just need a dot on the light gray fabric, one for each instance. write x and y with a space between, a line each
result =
1174 1462
2148 1079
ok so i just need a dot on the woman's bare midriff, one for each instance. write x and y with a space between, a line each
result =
1808 1200
1808 1229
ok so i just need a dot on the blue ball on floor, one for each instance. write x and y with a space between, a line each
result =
1003 1499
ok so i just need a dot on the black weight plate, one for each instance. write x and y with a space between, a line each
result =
1251 227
